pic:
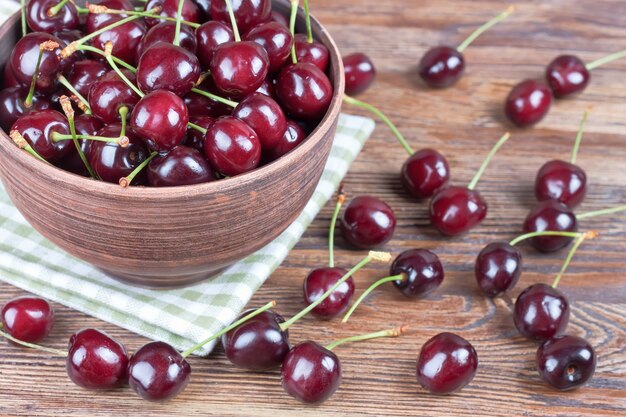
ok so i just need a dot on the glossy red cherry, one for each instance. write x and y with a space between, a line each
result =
125 39
39 18
85 73
315 52
276 40
446 364
195 138
265 117
24 58
239 68
498 268
425 173
158 372
180 166
258 344
310 373
72 162
567 75
293 136
38 127
554 216
165 66
29 319
109 94
321 280
528 103
441 67
248 13
12 105
422 269
205 9
360 73
562 181
455 210
368 222
566 362
232 147
209 36
165 32
169 8
304 91
96 361
541 312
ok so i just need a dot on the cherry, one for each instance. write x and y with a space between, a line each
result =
232 147
248 13
360 73
420 272
169 8
37 128
209 36
528 103
498 268
12 105
425 173
195 138
9 79
164 66
541 312
293 136
110 94
239 68
85 125
29 319
265 117
368 222
277 41
205 9
554 216
304 91
166 32
85 73
125 39
96 361
24 57
46 16
320 280
311 52
566 362
567 75
180 166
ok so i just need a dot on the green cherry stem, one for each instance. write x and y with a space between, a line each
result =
28 102
21 143
499 18
214 97
108 48
382 117
309 30
125 181
544 233
23 12
123 112
88 48
54 10
232 326
485 163
607 59
179 19
570 255
66 105
588 214
372 255
292 27
233 20
32 345
579 136
122 141
341 197
148 14
65 83
392 278
198 128
383 333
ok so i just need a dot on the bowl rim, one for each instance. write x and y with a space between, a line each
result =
223 185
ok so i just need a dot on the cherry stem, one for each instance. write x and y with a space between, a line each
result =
341 197
214 97
607 59
544 233
122 141
33 83
232 326
147 14
21 143
123 112
292 28
492 153
108 48
24 25
601 212
233 20
372 255
399 277
32 345
66 105
198 128
65 83
570 255
383 333
125 181
54 10
471 38
382 117
118 61
579 136
309 30
179 18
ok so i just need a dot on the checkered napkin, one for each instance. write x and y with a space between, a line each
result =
181 317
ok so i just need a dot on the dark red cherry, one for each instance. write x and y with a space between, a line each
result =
258 344
310 373
239 68
315 53
39 20
304 91
195 139
441 67
293 136
425 173
498 268
169 8
112 162
455 210
86 72
554 216
368 222
29 319
567 75
446 364
165 66
321 280
541 312
528 103
38 127
232 147
566 362
209 36
562 181
165 32
205 9
360 73
248 13
96 21
158 372
277 41
180 166
423 270
85 125
109 94
9 79
96 361
265 117
24 58
12 105
278 17
125 39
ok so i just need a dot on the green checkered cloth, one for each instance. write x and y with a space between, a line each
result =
180 317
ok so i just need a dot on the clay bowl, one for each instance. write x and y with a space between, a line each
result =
168 237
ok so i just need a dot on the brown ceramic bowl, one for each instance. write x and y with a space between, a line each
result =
168 237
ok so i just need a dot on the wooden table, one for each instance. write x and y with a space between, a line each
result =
462 122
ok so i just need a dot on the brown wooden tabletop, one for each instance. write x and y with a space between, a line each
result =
462 122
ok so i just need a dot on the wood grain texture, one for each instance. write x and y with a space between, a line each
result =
462 122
